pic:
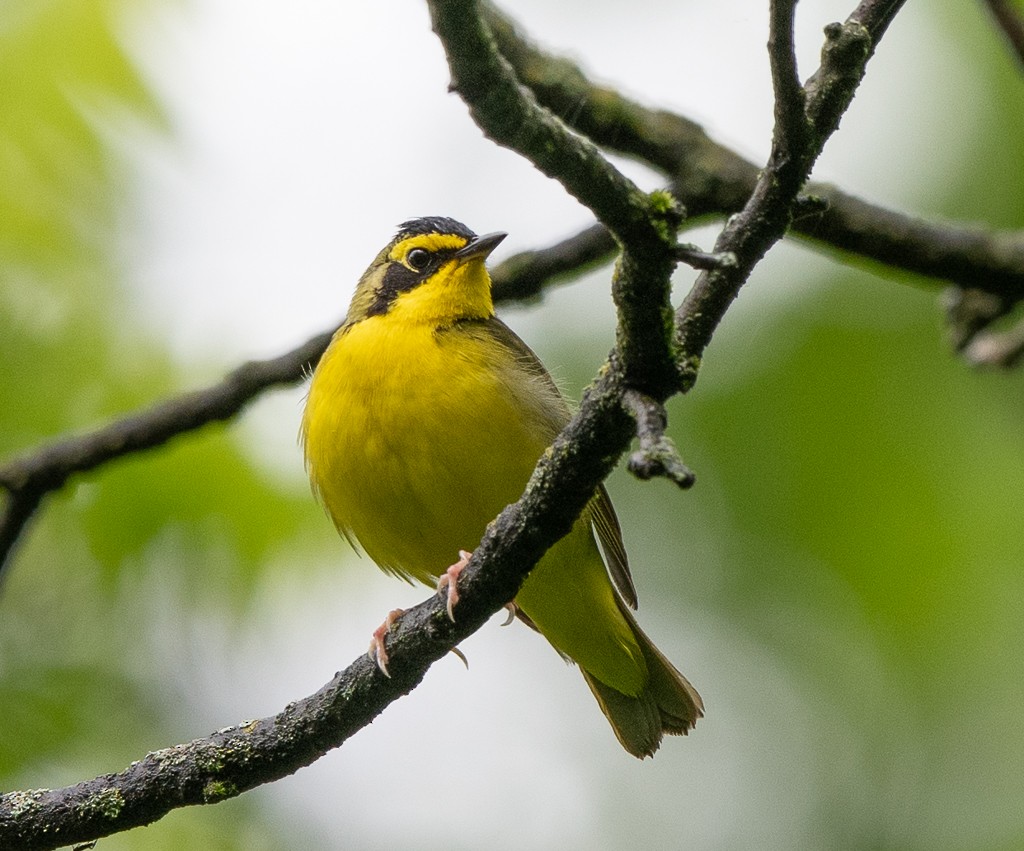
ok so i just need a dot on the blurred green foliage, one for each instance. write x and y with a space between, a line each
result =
873 485
76 694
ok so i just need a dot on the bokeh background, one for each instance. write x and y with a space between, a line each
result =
186 184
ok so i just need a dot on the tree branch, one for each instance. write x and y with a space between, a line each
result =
510 116
238 758
764 218
645 226
30 477
657 455
791 125
712 180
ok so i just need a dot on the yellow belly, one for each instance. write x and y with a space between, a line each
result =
415 440
405 439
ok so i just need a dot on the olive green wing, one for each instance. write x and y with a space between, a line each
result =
546 399
555 412
610 536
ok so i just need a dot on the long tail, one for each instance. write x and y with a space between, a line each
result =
667 704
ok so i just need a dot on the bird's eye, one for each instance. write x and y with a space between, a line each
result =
417 259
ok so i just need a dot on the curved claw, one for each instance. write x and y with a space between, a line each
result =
513 610
377 652
461 656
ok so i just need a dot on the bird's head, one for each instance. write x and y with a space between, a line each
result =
432 272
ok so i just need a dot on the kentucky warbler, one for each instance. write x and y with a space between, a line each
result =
425 418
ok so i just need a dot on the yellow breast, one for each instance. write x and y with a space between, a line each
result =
416 438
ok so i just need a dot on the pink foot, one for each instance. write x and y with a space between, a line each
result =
377 652
450 578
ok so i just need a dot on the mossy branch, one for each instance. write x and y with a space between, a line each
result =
251 753
657 454
766 215
644 225
713 180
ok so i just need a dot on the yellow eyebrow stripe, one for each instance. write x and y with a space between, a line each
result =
429 241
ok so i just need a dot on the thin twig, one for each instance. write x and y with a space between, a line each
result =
791 127
969 312
712 180
764 218
657 455
644 225
694 257
31 476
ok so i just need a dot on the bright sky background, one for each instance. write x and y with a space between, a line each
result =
300 140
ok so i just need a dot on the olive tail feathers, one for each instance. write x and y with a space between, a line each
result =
667 704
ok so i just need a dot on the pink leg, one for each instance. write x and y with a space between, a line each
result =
449 580
377 651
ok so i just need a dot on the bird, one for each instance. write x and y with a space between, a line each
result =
424 418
